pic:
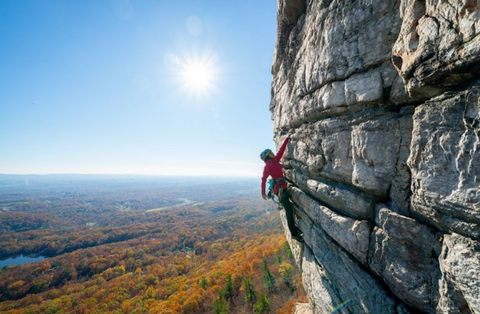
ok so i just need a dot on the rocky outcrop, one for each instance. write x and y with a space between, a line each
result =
438 47
303 308
384 161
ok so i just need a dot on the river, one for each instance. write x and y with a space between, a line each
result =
19 260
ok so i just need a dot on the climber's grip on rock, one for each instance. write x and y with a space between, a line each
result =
274 169
288 133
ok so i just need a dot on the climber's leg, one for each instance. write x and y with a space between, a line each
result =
295 232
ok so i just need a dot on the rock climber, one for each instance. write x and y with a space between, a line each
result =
274 169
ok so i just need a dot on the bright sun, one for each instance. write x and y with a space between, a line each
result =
198 77
198 73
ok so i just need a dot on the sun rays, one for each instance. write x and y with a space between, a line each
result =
198 77
195 75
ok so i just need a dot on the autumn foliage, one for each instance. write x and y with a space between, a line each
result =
224 252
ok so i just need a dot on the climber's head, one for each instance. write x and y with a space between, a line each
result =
266 155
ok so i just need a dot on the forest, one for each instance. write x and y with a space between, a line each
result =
143 245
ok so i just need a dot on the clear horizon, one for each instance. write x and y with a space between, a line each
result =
130 175
136 87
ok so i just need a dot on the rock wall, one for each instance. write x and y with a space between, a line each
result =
384 162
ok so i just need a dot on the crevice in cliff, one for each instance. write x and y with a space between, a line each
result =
399 190
354 114
293 9
368 198
317 115
312 90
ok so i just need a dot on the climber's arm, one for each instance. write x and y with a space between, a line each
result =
264 180
282 149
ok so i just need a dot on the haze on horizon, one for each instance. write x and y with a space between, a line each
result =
135 87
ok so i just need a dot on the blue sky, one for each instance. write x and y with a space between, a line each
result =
141 87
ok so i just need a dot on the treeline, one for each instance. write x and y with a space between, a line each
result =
59 208
52 242
22 221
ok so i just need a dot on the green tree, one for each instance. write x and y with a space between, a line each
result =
229 288
286 271
268 279
250 293
288 251
220 306
39 286
203 283
263 305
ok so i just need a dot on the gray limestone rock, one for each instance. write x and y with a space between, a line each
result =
460 283
303 308
445 162
325 62
404 253
323 148
361 149
375 149
341 199
319 288
384 101
296 247
438 48
292 9
400 190
332 276
353 235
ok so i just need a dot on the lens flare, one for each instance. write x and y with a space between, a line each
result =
341 305
171 61
194 26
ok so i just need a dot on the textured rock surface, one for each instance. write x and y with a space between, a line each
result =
342 199
445 162
405 254
438 48
459 285
384 161
303 308
332 276
353 235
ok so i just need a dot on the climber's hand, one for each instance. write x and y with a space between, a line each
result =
264 196
290 132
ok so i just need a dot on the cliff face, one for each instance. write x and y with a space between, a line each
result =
384 98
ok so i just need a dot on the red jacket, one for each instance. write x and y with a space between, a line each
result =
274 169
